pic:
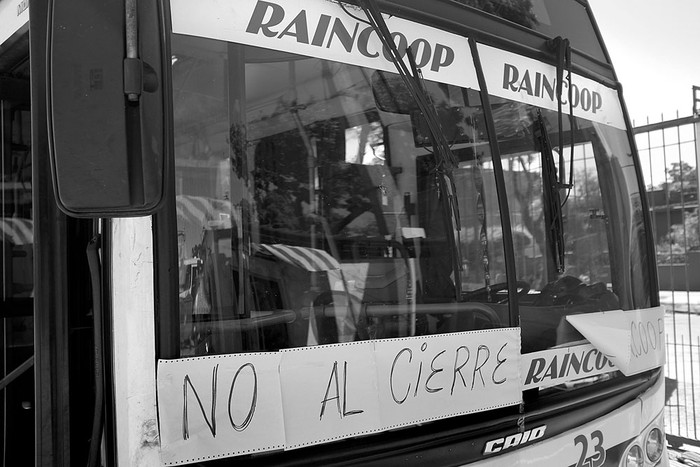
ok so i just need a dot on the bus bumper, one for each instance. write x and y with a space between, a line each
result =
630 436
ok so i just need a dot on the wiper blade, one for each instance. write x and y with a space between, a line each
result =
562 48
553 214
413 80
445 161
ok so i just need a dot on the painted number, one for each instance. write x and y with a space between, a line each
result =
596 444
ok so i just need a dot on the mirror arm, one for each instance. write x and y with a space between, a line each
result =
133 76
139 76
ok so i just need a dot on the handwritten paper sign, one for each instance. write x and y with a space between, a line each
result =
219 406
633 340
431 377
329 393
228 405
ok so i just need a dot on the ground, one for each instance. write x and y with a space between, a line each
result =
682 324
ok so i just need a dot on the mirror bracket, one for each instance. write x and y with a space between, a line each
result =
133 78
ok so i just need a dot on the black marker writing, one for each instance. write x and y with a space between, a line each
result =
253 402
344 412
477 367
211 424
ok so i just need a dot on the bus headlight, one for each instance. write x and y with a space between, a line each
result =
654 444
635 458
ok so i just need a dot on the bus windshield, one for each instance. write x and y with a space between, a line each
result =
318 223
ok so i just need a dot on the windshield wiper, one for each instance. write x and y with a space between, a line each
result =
562 48
445 161
413 79
553 215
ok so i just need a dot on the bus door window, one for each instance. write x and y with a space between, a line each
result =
16 285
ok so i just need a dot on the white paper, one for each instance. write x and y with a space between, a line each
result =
432 377
633 340
312 395
329 393
240 412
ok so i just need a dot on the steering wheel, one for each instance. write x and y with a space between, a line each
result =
480 295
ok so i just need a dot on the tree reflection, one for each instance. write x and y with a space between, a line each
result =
517 11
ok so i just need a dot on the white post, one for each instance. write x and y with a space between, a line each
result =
696 127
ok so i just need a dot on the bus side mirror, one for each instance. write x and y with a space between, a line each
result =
106 107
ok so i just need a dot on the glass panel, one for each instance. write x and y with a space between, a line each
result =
687 153
686 133
17 284
672 153
671 135
656 139
311 209
603 236
642 140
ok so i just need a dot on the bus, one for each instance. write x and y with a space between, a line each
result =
275 232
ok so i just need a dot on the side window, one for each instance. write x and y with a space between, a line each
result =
17 282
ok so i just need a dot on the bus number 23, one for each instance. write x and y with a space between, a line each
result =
596 443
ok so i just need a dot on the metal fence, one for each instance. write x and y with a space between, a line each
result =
669 153
682 397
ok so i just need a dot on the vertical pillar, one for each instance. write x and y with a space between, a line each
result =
696 132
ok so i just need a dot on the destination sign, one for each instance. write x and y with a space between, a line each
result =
555 366
324 29
529 81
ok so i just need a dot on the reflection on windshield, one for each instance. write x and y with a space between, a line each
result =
602 231
518 11
309 214
311 210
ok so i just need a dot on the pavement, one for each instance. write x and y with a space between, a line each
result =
685 456
681 301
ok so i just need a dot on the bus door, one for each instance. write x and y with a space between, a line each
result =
46 313
16 276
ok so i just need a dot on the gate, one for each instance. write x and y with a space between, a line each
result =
669 152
